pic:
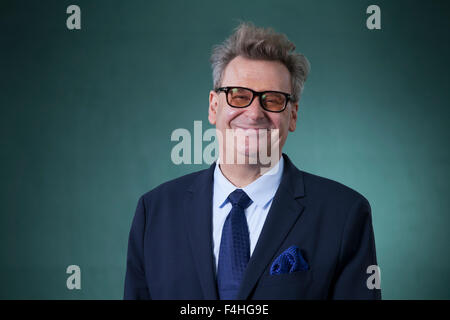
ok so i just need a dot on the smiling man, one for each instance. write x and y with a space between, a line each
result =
248 228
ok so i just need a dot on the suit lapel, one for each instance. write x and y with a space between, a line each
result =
198 204
284 212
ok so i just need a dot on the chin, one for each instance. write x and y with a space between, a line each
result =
250 155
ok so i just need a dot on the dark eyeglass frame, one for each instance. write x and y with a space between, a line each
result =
258 94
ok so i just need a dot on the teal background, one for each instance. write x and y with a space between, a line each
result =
86 119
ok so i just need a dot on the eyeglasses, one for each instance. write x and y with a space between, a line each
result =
239 97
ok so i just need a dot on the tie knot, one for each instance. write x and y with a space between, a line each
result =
239 198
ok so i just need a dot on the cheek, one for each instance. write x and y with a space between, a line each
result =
278 121
282 123
226 115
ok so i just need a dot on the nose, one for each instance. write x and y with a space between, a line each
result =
254 111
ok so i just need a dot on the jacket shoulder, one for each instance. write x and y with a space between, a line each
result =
173 187
325 188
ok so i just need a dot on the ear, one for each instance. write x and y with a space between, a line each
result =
293 119
213 105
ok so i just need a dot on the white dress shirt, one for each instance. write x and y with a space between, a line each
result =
261 192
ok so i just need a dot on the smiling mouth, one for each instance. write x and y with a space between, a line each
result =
251 128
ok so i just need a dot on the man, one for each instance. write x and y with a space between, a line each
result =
251 229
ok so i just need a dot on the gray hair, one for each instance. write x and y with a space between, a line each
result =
265 44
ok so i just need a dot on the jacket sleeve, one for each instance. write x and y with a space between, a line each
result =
357 253
135 281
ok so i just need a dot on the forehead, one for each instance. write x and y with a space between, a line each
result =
258 75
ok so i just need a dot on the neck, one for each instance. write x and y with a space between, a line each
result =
241 175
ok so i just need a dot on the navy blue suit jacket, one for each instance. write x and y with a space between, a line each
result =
170 251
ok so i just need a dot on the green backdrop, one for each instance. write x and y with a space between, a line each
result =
86 119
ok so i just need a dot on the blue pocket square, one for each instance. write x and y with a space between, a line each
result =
289 261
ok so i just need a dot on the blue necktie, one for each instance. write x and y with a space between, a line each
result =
234 247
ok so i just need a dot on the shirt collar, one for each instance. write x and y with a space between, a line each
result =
261 191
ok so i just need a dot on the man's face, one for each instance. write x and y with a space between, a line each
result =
258 75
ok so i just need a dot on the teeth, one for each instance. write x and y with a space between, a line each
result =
251 130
